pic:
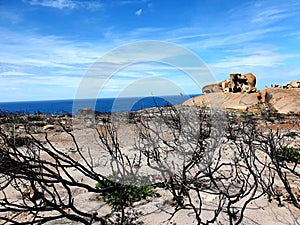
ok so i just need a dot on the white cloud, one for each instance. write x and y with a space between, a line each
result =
139 12
228 39
59 4
295 34
263 13
15 73
66 4
272 15
47 51
130 2
259 59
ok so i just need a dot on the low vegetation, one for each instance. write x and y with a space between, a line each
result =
289 155
123 195
197 154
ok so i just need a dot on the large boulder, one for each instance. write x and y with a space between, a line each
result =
211 88
278 99
86 113
242 83
283 100
226 100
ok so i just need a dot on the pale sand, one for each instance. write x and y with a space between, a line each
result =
154 210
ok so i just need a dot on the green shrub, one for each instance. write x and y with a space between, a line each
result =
289 154
119 195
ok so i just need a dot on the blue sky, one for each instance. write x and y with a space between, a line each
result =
47 46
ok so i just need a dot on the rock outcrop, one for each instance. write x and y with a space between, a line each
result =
86 113
236 83
225 100
293 84
277 99
283 100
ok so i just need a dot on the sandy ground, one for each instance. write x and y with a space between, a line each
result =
159 210
155 210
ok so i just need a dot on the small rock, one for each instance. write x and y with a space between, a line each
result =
48 127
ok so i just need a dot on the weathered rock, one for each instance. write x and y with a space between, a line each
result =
48 127
86 113
227 100
293 84
211 88
278 99
242 83
236 83
283 100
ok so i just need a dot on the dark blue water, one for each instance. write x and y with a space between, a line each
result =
101 105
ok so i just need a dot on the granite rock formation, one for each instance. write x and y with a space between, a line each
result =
277 99
236 83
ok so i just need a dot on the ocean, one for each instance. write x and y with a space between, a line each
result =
103 105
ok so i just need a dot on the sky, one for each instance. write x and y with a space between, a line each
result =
48 48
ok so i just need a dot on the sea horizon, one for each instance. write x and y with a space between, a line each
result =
67 99
102 105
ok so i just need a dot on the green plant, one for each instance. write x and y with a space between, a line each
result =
289 154
122 195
